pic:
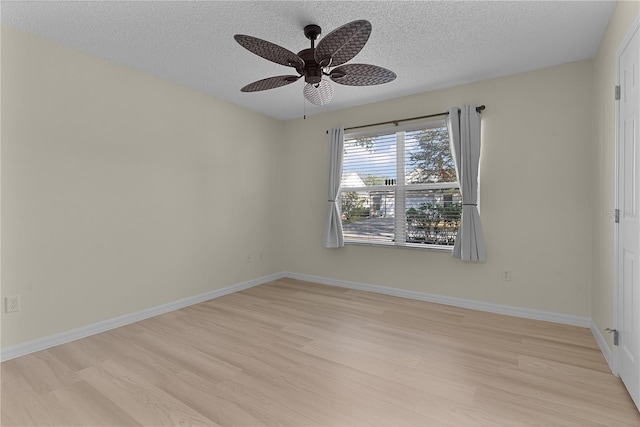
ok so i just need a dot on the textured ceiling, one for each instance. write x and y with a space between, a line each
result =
428 44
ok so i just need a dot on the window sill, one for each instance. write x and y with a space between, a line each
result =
428 248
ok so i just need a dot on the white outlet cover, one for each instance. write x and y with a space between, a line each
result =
12 304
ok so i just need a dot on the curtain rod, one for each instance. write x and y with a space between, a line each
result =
395 122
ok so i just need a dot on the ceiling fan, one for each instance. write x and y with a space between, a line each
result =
327 59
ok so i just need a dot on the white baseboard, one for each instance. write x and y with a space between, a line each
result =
95 328
604 348
526 313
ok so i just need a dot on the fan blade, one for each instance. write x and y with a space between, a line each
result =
361 75
319 94
269 83
270 51
343 43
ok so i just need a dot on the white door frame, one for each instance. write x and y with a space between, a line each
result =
635 26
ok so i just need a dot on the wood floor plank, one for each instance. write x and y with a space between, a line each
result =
270 407
90 407
43 372
144 402
452 414
374 366
572 399
293 353
22 406
349 382
325 402
72 356
576 376
204 397
191 359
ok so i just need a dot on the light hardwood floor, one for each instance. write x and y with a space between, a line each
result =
292 353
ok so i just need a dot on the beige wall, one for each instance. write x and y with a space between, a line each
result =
122 192
536 195
604 164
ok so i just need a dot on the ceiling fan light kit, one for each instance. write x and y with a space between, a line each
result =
318 94
327 59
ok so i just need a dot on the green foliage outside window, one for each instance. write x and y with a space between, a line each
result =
432 157
353 208
433 223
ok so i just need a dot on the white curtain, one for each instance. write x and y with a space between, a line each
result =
332 237
464 136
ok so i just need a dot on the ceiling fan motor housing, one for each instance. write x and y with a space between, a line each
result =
312 70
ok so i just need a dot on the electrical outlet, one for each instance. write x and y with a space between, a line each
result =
12 304
506 275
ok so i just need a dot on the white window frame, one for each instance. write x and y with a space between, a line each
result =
401 188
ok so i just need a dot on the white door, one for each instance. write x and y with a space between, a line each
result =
628 251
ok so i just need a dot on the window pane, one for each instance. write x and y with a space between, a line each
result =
428 156
368 216
433 216
369 161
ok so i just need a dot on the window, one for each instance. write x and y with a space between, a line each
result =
399 187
